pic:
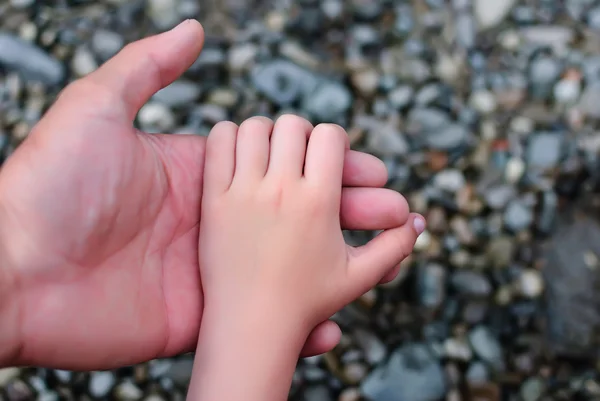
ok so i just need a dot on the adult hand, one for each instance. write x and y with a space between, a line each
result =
100 222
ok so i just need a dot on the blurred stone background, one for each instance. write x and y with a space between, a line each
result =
486 113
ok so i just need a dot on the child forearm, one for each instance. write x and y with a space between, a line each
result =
9 330
250 358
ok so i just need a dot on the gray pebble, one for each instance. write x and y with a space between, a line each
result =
401 96
432 285
544 150
489 14
532 389
179 93
242 56
486 347
497 197
387 140
32 62
450 180
471 284
328 102
477 373
284 82
465 30
180 371
413 373
517 216
448 137
317 393
374 349
106 43
21 3
101 383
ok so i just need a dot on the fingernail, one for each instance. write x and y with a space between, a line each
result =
181 24
419 224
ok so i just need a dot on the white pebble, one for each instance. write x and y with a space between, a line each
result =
101 383
515 168
156 115
457 349
7 374
522 125
128 391
366 81
83 62
21 3
423 241
483 101
163 13
28 31
450 180
63 376
567 91
531 284
510 40
242 56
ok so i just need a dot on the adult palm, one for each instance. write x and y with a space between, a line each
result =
99 233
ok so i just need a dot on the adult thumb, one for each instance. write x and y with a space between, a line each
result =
145 66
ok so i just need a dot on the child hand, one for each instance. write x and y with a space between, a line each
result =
272 250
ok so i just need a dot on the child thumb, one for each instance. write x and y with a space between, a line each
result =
370 263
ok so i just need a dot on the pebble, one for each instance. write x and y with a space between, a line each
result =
241 57
30 61
328 102
490 14
7 375
375 351
83 62
179 93
412 374
486 346
544 150
432 285
387 140
128 391
471 284
366 81
531 283
554 36
588 103
106 43
350 394
567 91
518 216
20 4
154 115
532 389
180 371
17 390
457 349
483 101
477 373
101 383
450 180
317 393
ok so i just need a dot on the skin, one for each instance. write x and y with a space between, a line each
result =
272 255
100 222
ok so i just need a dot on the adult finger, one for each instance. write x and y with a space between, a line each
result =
372 209
322 339
144 67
